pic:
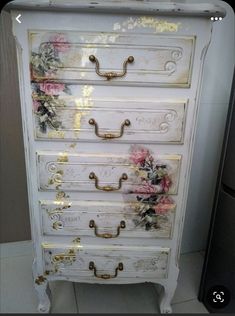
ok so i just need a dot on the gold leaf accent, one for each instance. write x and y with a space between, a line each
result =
58 186
56 134
57 225
63 157
73 145
58 202
84 105
87 91
40 279
61 195
159 25
77 240
51 181
77 121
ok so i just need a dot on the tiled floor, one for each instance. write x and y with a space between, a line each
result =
17 294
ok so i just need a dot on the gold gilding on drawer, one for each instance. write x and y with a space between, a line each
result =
58 202
63 157
87 91
61 195
56 134
66 258
77 240
158 25
57 225
40 279
51 181
84 105
73 145
77 121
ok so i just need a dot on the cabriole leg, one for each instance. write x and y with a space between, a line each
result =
167 296
43 292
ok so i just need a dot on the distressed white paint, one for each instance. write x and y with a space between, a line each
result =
74 173
159 121
43 291
131 250
150 261
160 60
129 6
73 218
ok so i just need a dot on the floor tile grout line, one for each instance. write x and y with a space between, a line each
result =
75 294
183 301
189 300
16 256
179 302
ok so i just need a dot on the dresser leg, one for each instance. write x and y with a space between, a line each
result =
43 292
167 296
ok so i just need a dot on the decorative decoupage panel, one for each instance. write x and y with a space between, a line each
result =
106 261
141 171
70 112
150 216
127 58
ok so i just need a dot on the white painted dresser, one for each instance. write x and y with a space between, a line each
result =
109 98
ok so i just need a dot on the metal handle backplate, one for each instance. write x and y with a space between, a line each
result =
92 224
105 276
123 177
109 135
111 74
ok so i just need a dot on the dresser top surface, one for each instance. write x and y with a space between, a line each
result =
121 6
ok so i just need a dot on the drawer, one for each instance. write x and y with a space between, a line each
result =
107 262
81 117
117 58
139 171
151 216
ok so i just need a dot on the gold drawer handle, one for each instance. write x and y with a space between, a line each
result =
111 74
92 224
109 135
69 256
105 276
92 176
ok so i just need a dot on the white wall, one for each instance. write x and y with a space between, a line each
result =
217 77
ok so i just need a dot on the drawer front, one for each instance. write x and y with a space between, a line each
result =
138 172
81 117
102 219
82 261
159 60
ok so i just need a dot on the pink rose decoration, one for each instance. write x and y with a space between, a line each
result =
52 88
36 105
165 183
145 188
161 209
139 155
163 205
60 42
165 199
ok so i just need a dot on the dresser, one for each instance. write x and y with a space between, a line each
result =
109 98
